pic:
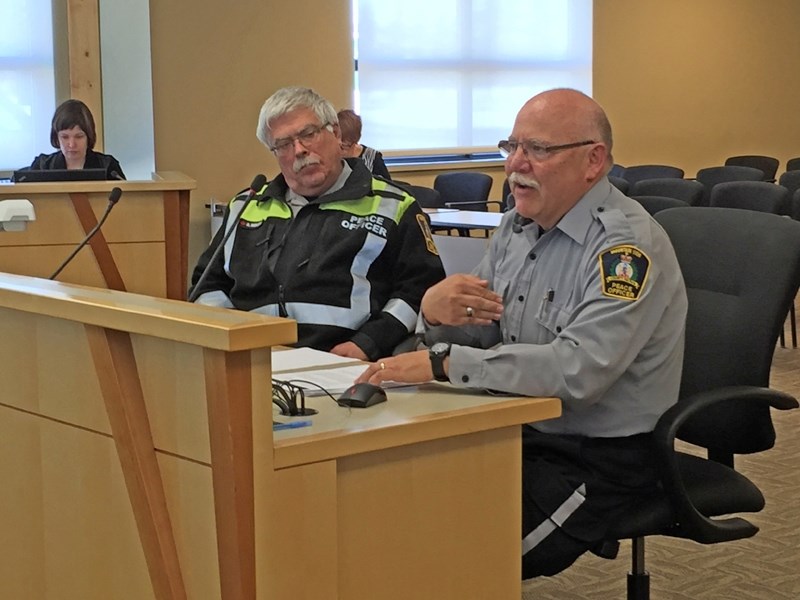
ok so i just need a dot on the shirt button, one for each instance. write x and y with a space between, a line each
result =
465 378
558 329
513 338
600 209
520 298
532 255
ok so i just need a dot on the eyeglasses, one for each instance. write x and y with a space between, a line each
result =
533 149
307 137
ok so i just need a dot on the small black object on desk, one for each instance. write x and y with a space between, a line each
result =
362 395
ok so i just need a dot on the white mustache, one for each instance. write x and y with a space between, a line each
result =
517 179
304 162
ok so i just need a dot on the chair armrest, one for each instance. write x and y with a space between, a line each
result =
477 205
702 528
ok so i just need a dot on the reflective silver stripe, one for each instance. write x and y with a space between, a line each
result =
271 310
359 311
561 514
403 312
215 298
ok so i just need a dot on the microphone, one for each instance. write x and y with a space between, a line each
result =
259 181
113 198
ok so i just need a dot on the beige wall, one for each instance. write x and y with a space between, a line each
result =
214 64
685 82
691 82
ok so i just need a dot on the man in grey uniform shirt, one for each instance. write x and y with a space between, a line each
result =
580 296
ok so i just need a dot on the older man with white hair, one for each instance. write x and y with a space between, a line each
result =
347 255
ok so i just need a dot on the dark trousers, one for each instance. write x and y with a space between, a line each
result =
572 488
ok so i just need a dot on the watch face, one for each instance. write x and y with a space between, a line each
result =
440 347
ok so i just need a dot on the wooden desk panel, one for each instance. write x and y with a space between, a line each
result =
142 247
138 462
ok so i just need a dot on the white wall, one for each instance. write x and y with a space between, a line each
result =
127 85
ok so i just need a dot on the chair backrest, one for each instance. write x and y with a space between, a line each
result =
790 180
752 195
654 204
618 182
793 164
767 164
711 176
796 205
741 270
617 170
464 187
638 172
688 190
427 197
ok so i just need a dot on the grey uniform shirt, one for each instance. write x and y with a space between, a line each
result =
604 335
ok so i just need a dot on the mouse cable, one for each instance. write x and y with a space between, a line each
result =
316 385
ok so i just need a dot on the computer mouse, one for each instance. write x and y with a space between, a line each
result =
362 395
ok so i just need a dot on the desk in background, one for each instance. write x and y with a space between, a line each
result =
464 219
142 247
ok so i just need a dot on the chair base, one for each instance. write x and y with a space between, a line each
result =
639 586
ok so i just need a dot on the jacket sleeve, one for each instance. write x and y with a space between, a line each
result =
379 167
114 169
214 290
415 267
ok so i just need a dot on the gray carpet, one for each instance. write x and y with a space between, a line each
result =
765 567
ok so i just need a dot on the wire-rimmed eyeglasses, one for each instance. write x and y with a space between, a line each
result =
536 150
307 137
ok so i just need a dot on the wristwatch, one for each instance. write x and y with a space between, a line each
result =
437 353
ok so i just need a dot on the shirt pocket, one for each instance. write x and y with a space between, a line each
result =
552 317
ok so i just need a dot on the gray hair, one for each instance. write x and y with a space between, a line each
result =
288 99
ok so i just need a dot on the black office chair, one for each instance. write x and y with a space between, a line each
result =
618 182
767 164
688 190
752 195
425 196
791 181
711 176
466 190
796 205
638 172
736 310
793 164
655 204
617 171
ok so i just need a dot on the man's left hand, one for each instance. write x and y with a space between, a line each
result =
409 367
349 350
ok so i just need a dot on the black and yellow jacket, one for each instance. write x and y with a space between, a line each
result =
351 265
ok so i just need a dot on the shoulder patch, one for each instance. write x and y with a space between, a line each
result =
623 270
426 233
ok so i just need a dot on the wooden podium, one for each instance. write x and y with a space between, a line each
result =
142 247
138 461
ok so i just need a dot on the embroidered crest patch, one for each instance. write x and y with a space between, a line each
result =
624 272
426 233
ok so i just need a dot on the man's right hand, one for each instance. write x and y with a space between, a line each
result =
461 299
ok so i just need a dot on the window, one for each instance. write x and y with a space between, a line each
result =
453 73
27 84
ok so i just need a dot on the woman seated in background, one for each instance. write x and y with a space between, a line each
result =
73 133
350 126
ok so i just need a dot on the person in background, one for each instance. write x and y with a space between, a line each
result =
345 254
73 132
580 296
350 125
